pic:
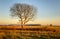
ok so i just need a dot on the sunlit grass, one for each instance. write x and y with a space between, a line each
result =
45 32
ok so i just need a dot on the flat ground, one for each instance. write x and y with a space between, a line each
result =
29 31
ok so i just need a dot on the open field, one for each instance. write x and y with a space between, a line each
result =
30 32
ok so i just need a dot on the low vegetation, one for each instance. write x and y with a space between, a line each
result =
43 32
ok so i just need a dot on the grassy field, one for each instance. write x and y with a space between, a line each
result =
30 32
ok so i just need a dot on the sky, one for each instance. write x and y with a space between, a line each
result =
48 11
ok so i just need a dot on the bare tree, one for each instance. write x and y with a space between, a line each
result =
24 12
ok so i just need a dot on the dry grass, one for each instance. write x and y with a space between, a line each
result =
32 30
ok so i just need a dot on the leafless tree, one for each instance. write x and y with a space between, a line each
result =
24 12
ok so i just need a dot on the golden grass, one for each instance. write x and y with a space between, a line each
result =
29 30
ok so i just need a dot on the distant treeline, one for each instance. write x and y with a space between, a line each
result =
28 25
33 25
20 25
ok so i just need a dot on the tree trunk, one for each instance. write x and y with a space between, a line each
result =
21 23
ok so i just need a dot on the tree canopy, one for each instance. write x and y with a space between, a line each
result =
24 12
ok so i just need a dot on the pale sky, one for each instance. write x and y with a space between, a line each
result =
48 11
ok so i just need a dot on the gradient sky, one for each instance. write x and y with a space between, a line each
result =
48 11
